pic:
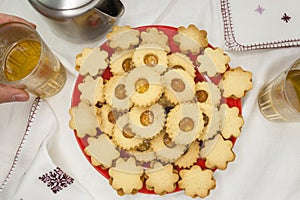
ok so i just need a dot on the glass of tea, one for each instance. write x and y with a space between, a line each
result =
279 100
26 61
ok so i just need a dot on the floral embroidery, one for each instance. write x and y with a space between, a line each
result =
260 9
285 18
56 180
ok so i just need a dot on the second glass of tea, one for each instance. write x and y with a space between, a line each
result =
279 100
27 62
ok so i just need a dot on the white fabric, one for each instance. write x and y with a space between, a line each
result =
267 154
261 24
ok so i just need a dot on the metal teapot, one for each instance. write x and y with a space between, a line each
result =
80 20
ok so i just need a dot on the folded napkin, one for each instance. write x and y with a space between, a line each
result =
260 24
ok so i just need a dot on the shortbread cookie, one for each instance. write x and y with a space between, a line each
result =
116 93
189 158
123 37
217 152
154 36
165 149
126 176
83 119
92 61
145 84
121 62
123 136
208 93
236 82
161 179
92 90
147 122
197 182
179 86
102 149
107 118
213 61
185 123
231 121
181 61
151 55
191 39
143 153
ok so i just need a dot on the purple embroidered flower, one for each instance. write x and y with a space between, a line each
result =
56 180
260 9
285 18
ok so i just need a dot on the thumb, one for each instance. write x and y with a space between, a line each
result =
9 94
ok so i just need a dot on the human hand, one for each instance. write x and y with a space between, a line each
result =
9 94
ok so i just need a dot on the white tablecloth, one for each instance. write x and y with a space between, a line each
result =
267 154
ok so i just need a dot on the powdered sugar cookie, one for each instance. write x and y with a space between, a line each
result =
102 149
117 94
213 61
154 36
83 119
92 90
126 176
165 149
231 121
208 93
145 84
161 179
121 62
185 123
181 61
179 86
92 61
217 152
147 122
151 55
197 182
231 78
123 136
123 37
191 39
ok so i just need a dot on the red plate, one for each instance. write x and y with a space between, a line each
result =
170 31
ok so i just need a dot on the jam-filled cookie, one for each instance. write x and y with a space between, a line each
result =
179 86
208 93
181 61
185 123
147 122
145 85
121 62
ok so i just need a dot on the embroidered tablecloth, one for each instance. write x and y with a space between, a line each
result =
260 24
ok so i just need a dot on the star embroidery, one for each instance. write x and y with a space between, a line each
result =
285 18
260 9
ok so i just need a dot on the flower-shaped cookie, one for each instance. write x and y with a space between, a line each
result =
217 152
123 37
83 119
126 176
154 36
190 157
102 150
92 90
92 61
191 39
213 61
231 121
231 78
161 179
196 182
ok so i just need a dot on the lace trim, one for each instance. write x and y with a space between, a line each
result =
33 111
230 40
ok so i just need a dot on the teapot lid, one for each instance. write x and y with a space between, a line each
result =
63 8
64 4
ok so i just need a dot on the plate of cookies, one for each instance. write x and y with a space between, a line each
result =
157 109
